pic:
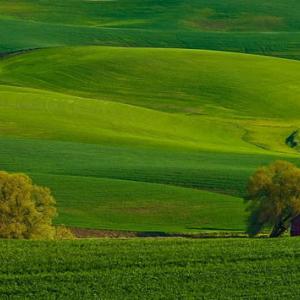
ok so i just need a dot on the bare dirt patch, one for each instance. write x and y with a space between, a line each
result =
98 233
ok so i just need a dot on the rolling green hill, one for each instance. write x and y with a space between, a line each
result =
261 27
195 82
134 138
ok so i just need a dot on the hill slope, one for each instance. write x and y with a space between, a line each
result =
196 82
129 143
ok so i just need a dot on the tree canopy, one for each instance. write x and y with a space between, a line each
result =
26 210
273 195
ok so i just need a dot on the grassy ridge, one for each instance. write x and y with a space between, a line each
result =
195 82
255 27
40 114
135 269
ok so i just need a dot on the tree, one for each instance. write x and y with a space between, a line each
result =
26 210
273 195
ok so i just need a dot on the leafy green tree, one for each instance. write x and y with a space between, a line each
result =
26 210
273 195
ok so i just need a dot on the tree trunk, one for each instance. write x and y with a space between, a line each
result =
281 226
278 230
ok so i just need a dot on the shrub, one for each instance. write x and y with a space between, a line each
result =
63 233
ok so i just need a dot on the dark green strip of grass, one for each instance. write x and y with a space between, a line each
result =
20 34
151 269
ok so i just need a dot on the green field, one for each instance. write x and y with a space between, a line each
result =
261 27
133 138
150 269
146 118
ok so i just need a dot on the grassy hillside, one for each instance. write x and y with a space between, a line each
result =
92 147
208 15
196 82
152 269
273 27
133 138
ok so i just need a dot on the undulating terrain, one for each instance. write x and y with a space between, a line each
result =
102 102
146 139
147 117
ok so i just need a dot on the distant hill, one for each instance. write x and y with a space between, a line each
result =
262 27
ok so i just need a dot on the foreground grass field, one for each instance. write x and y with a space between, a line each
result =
250 27
150 269
133 139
